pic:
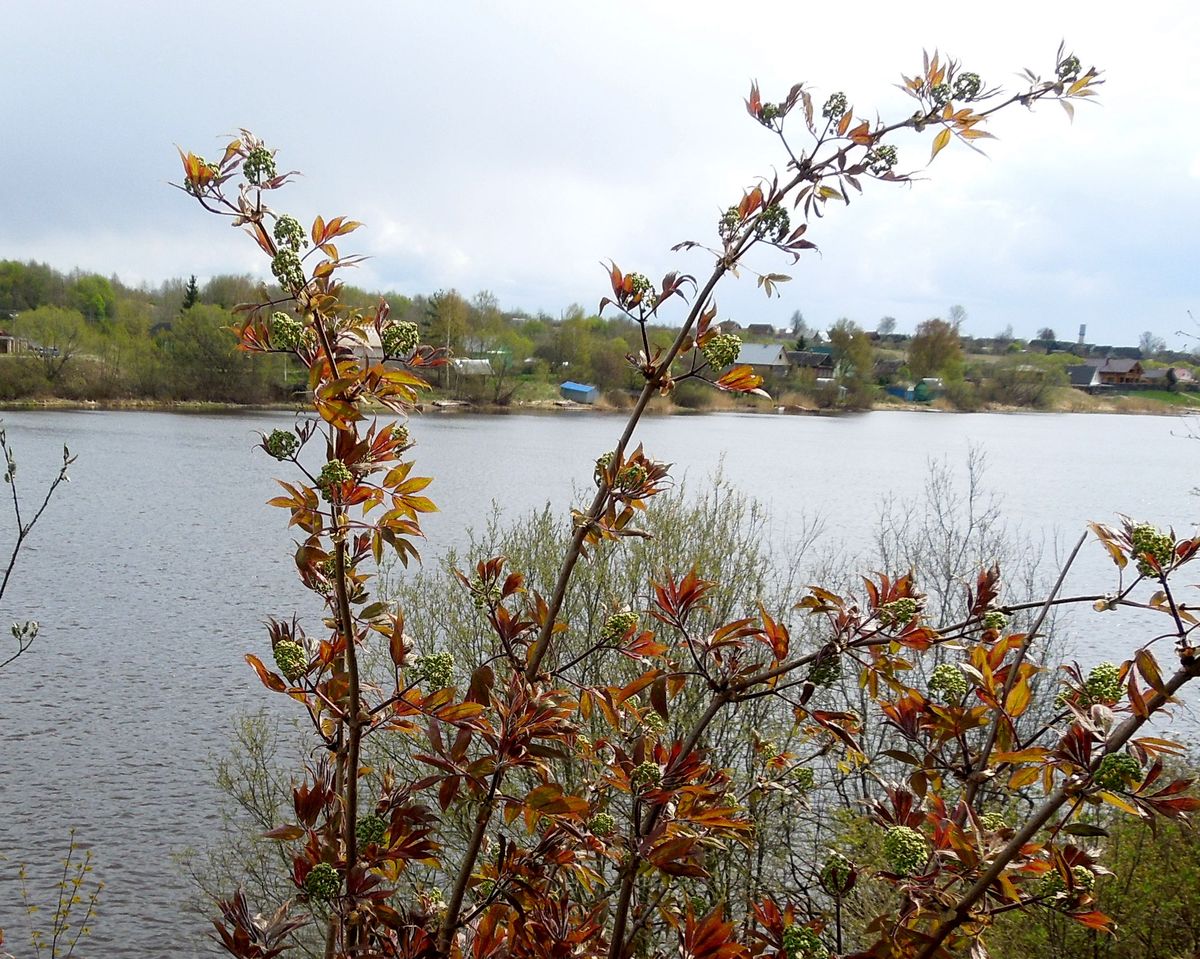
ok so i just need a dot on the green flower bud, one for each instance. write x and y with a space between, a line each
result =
289 234
484 597
1149 542
994 619
825 670
803 778
288 270
941 94
1052 883
654 723
727 226
881 159
603 462
436 671
993 821
773 223
400 339
835 106
1117 771
333 474
602 824
1103 684
768 112
631 478
291 658
370 829
905 849
1069 68
645 775
616 626
282 444
287 333
967 86
898 613
835 875
949 680
258 166
323 882
722 350
801 942
640 287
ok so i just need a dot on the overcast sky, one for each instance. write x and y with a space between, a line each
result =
513 146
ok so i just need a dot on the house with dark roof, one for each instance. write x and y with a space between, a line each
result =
1117 371
820 363
1084 377
1168 376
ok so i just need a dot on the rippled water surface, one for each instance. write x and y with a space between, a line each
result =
154 569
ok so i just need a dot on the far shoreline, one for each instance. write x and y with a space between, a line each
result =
547 407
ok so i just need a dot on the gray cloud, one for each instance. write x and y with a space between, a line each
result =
513 147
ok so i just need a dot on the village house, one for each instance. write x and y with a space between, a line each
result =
1117 371
766 359
1084 377
10 343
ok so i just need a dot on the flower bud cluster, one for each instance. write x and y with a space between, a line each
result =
288 270
282 444
1117 771
400 339
631 478
899 612
835 106
994 619
881 159
287 332
727 226
322 882
801 942
967 86
640 287
603 462
803 779
617 625
436 670
1052 883
769 112
289 233
1103 684
940 94
370 829
773 223
1147 540
905 850
654 723
602 824
835 874
258 166
644 775
1069 68
485 596
826 670
333 474
949 680
722 350
291 658
993 821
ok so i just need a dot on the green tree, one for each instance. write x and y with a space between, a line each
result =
191 294
935 350
57 336
205 362
93 296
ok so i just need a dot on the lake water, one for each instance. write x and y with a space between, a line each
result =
153 571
